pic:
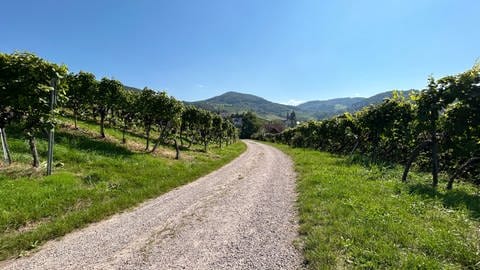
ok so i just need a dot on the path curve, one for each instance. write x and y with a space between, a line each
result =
241 216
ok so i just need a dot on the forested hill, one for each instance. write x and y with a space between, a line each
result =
378 98
234 102
320 109
130 88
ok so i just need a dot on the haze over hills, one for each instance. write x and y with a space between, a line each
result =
234 102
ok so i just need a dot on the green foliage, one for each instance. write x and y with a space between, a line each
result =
446 115
82 89
26 86
167 113
205 121
107 99
238 103
250 125
145 108
99 178
25 89
127 109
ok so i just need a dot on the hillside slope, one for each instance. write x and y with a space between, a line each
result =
327 108
93 178
234 102
378 98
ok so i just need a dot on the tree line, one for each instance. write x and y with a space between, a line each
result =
437 128
33 90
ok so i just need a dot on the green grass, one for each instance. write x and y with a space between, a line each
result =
98 178
354 216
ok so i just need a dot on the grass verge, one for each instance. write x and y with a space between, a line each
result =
97 178
354 216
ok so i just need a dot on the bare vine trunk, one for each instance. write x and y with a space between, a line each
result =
461 171
159 140
147 132
6 151
102 124
412 158
124 129
357 142
33 151
181 135
177 149
434 159
75 117
190 142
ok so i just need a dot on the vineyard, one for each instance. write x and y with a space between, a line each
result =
114 148
33 91
436 129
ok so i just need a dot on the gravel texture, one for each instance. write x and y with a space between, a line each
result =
241 216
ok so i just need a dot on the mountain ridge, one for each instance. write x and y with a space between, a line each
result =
232 102
236 102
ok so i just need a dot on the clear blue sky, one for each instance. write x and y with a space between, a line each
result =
278 49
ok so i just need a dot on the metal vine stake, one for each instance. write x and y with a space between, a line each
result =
51 133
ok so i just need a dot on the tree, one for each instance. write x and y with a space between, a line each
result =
188 126
442 121
231 132
145 106
82 88
107 97
27 87
461 125
291 119
217 129
167 113
250 125
204 126
127 109
6 112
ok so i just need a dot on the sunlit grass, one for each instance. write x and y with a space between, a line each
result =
354 216
95 178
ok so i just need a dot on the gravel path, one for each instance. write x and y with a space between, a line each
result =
241 216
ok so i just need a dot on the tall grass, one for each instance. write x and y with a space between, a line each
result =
355 216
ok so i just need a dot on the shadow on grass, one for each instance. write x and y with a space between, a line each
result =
138 134
71 139
367 161
451 199
86 143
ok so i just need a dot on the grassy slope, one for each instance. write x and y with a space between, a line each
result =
354 216
99 178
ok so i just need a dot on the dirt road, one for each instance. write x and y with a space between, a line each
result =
239 217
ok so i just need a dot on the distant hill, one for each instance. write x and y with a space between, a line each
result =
378 98
234 102
131 88
326 108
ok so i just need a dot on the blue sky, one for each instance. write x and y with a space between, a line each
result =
278 49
